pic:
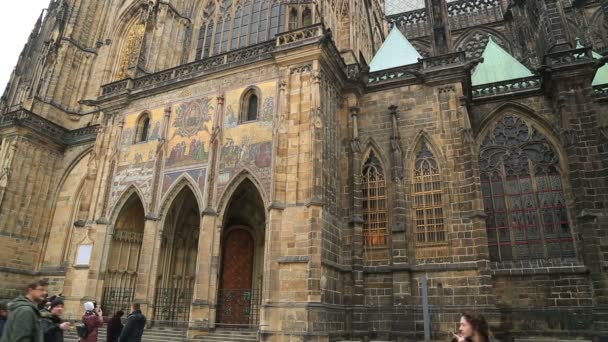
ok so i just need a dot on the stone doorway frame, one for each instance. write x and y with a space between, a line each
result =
257 269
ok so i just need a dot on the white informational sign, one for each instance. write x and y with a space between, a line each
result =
83 257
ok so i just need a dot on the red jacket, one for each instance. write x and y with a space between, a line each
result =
91 320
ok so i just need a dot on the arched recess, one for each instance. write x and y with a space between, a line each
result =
524 193
127 38
473 41
178 256
429 200
598 31
142 130
375 209
66 210
251 101
122 262
242 259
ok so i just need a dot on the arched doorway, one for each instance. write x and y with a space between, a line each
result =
241 274
123 260
177 262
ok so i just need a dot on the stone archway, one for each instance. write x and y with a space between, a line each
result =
177 262
241 273
123 261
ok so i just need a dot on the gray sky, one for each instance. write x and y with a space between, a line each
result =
17 19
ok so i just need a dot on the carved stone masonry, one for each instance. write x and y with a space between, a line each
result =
396 153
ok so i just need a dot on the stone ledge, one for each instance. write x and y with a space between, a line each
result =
538 271
536 267
47 272
444 267
339 267
294 259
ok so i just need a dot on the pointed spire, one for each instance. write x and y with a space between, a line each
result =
498 65
601 76
396 51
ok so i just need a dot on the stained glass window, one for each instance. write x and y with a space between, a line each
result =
523 196
228 27
263 30
306 17
255 22
293 19
375 227
427 204
208 38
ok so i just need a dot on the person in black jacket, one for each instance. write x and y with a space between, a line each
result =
52 325
134 329
115 326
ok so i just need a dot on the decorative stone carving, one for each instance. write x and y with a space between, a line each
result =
476 42
461 7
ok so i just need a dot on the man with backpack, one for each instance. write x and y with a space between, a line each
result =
92 320
23 323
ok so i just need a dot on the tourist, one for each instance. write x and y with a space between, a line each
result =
93 320
52 325
473 328
115 326
23 323
134 329
3 315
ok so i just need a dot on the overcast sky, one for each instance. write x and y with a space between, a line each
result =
17 19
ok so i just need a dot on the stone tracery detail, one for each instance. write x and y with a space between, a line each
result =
523 195
130 54
427 204
375 227
476 42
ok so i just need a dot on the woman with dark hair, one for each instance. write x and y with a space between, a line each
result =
115 326
473 328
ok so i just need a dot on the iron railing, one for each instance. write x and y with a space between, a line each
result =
172 308
239 307
117 298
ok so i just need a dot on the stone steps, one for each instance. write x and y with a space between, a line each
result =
150 335
226 335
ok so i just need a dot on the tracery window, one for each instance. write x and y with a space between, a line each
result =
427 195
237 25
527 217
293 19
306 17
374 210
130 50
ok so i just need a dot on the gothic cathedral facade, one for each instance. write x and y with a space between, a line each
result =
307 169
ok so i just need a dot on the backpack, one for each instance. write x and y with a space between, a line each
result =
81 329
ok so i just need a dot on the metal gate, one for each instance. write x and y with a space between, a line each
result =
172 307
117 298
239 307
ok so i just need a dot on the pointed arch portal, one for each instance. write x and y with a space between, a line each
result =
177 261
123 260
242 258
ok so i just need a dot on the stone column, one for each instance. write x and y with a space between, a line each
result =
202 312
556 26
440 32
357 300
582 135
148 266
